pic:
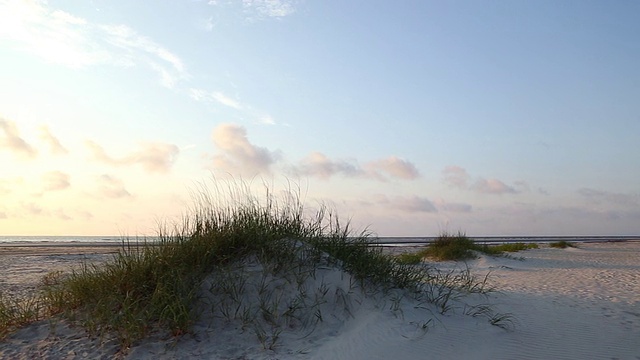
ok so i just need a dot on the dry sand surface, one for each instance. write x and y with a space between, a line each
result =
579 303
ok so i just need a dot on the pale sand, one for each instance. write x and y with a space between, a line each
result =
567 304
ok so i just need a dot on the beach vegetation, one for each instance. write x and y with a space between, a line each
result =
267 264
459 247
562 244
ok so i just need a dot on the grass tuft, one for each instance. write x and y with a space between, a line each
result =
563 244
459 247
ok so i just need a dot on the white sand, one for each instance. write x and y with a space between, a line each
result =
566 304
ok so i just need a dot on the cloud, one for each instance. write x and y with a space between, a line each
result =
492 186
225 100
112 187
52 141
153 157
270 8
12 141
408 204
610 198
237 154
267 120
443 205
61 38
55 180
414 204
456 176
221 98
7 184
395 167
319 165
33 209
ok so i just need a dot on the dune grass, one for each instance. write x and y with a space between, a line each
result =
562 244
459 247
149 287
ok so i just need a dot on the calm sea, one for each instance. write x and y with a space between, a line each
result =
391 241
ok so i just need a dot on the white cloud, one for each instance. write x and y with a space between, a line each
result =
446 206
225 100
394 167
270 8
456 176
260 117
600 197
112 187
62 38
414 204
237 154
54 144
319 165
12 141
410 204
267 120
55 180
492 186
153 157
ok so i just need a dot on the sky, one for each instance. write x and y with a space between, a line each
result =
408 118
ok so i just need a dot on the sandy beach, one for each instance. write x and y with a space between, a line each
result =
575 303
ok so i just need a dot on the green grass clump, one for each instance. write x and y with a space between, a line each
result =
502 248
563 244
411 258
459 247
451 247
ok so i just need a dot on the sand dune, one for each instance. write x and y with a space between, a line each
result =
565 304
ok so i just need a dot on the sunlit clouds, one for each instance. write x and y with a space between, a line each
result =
152 157
61 38
457 177
319 165
112 187
10 140
237 155
55 147
393 167
55 180
492 186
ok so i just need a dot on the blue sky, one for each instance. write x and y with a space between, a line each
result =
411 118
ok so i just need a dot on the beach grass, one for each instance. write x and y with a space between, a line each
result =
562 244
459 247
163 285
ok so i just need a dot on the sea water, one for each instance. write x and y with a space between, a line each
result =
385 240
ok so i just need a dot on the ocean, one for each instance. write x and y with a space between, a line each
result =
385 240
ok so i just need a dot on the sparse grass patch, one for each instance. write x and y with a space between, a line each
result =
15 313
562 244
411 258
508 247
